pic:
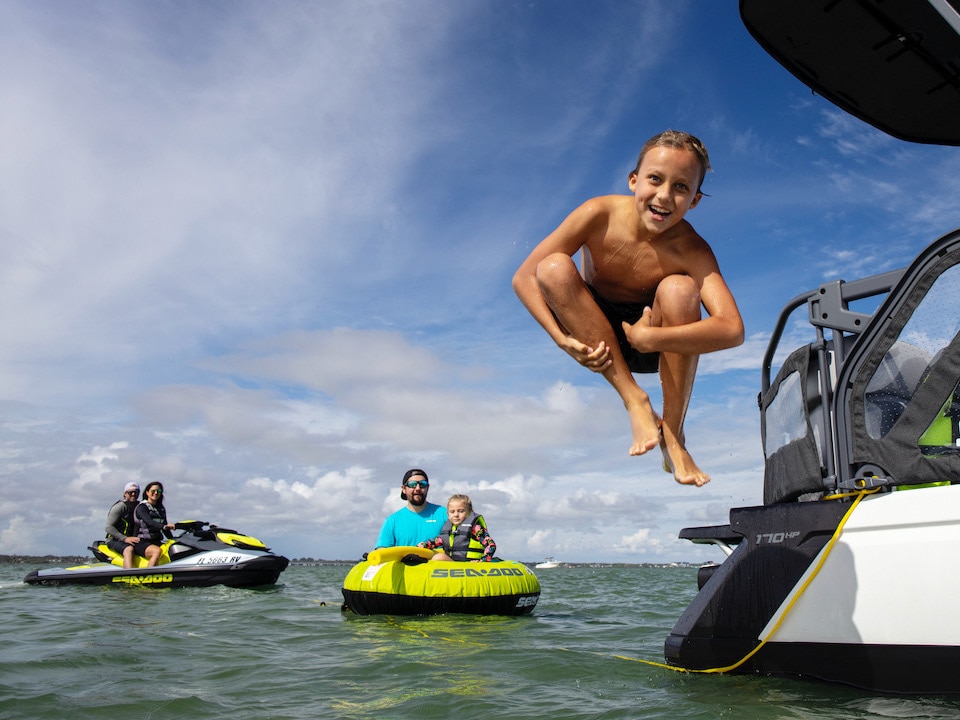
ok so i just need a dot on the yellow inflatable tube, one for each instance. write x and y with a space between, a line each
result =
399 581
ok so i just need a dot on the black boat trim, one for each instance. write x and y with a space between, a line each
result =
900 669
720 631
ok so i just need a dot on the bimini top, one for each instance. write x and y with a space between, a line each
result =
892 63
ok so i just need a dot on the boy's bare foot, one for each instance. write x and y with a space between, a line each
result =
678 461
645 426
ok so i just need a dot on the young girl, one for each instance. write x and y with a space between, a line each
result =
464 536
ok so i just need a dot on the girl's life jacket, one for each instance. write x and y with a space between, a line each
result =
459 542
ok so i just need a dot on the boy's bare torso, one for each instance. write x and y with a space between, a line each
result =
625 263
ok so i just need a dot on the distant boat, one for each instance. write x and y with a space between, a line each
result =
548 563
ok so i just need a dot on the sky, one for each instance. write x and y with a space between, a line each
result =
262 252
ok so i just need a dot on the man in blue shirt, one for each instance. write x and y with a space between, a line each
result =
417 521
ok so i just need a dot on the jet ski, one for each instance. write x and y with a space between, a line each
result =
846 572
198 555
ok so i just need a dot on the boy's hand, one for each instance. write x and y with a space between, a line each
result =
596 359
637 334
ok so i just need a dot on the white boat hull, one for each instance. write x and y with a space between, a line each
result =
888 579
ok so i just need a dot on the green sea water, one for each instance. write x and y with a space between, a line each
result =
289 653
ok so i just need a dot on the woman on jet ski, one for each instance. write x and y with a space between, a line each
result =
150 520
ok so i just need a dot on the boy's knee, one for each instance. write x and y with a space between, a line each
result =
678 286
679 295
556 269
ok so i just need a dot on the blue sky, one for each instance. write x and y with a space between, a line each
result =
262 252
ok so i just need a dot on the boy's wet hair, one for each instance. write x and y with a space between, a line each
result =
678 140
464 499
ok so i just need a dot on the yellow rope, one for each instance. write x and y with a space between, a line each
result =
823 558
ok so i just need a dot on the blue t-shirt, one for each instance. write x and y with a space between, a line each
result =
406 527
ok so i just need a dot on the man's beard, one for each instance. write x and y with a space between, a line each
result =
417 500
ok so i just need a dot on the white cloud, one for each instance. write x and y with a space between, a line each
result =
92 466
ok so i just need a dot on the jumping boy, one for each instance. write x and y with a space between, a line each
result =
635 307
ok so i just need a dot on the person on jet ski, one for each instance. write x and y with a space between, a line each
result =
150 520
121 536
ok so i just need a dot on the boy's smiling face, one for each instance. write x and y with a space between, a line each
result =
665 187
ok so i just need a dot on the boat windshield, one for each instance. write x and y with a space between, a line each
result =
906 365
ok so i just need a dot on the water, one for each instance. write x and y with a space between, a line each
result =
289 653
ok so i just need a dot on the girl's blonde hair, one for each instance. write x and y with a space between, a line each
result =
465 499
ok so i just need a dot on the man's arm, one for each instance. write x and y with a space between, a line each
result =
113 517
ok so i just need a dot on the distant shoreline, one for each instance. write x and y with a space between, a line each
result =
48 559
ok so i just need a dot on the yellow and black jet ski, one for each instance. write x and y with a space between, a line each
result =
198 555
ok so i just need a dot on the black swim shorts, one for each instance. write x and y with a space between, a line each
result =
141 547
621 312
117 546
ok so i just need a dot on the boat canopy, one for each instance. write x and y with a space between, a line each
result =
874 400
892 63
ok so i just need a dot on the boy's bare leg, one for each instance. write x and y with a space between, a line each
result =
677 373
677 303
575 309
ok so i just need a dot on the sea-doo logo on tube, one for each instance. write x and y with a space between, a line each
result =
144 579
527 601
471 572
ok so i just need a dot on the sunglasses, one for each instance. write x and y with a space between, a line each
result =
154 491
417 483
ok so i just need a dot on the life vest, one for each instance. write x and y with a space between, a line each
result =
458 543
125 522
146 532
